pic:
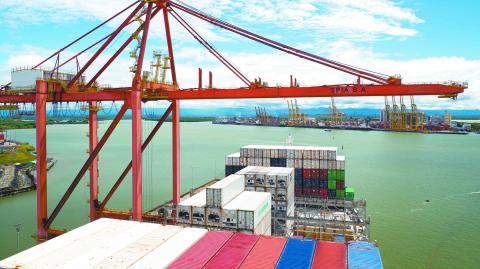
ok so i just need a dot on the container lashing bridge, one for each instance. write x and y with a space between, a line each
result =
144 89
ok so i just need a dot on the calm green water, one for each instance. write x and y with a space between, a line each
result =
395 172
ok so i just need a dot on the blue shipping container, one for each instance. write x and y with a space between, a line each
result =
332 194
363 255
339 238
298 254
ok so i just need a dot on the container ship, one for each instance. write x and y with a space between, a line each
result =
277 207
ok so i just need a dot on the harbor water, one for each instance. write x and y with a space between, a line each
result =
422 190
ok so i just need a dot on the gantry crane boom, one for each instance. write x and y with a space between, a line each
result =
142 89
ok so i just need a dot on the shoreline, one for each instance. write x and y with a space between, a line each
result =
364 129
23 178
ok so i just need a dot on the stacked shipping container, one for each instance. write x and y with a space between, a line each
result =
279 182
109 243
319 171
225 205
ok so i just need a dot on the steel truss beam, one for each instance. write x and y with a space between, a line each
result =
104 45
139 91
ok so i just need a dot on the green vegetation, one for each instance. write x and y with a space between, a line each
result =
23 154
67 121
186 119
6 124
476 127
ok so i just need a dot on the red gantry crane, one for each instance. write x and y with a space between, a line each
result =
56 88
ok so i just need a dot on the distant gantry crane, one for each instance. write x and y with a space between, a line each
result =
41 86
295 116
336 117
400 119
262 116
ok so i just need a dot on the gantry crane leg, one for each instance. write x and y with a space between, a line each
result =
93 141
41 156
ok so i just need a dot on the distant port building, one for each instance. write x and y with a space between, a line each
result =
24 78
7 147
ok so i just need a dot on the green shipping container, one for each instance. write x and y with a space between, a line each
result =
340 194
332 184
349 193
332 174
341 175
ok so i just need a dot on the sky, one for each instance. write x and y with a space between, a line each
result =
424 41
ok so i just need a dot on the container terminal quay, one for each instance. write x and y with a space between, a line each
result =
391 119
278 206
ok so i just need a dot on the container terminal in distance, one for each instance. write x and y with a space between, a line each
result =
389 120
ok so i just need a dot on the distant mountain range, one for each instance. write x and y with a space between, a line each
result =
351 112
247 112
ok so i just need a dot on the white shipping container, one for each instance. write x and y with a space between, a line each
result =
250 179
229 218
266 154
307 154
285 177
93 249
323 154
307 164
228 161
332 153
243 152
232 158
283 209
199 215
214 217
287 195
291 162
298 154
298 163
260 189
132 253
264 227
171 249
340 163
252 208
290 153
245 170
223 191
185 207
271 178
60 242
332 164
323 164
272 191
266 162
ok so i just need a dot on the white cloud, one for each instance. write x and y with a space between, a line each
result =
275 68
58 11
363 18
